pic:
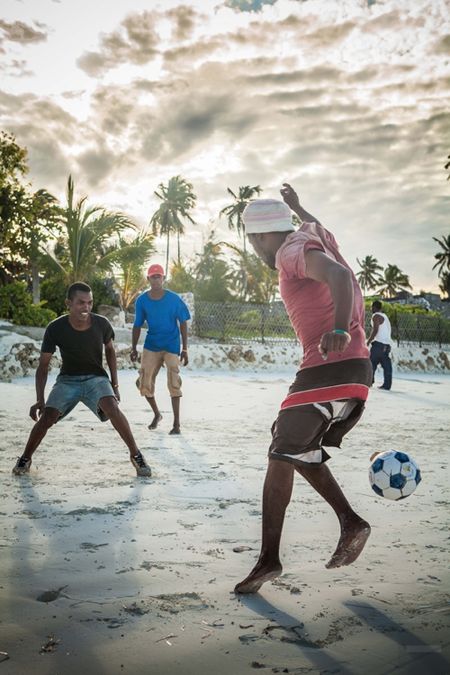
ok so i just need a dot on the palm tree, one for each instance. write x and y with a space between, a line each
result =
443 257
234 211
177 199
253 280
393 281
128 260
369 276
212 274
85 243
445 284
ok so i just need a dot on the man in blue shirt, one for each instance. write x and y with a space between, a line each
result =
166 315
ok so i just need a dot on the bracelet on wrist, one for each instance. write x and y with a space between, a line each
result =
340 331
115 386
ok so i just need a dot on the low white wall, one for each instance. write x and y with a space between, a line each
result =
19 356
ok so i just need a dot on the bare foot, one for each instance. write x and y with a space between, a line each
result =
257 577
351 543
175 431
156 420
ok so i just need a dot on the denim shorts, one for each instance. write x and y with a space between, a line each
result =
69 390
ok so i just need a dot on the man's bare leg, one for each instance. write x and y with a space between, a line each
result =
48 419
176 415
120 423
354 530
157 415
276 497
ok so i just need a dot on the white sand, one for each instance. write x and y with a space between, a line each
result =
145 568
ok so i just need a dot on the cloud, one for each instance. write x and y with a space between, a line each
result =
184 19
134 42
46 130
442 46
23 33
95 164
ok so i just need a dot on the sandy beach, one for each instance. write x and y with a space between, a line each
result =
106 573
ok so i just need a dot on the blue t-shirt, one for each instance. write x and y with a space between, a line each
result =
163 317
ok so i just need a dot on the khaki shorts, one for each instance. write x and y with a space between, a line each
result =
151 363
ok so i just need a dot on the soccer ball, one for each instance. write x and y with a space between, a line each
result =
394 475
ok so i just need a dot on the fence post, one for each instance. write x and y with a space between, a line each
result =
419 331
397 328
263 322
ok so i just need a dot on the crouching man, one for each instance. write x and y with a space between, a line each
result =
80 336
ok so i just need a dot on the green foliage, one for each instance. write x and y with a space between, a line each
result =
103 292
84 245
181 279
16 306
393 308
212 274
234 211
128 260
369 274
13 159
177 200
53 292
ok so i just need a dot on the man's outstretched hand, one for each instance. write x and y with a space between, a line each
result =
290 196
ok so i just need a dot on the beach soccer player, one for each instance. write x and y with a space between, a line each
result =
325 306
81 337
166 315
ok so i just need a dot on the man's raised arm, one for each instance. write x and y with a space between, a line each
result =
290 197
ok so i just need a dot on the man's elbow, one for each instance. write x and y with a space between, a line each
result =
341 275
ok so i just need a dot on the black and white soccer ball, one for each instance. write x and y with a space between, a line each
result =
394 475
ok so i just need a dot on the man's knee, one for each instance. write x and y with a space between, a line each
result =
108 405
49 417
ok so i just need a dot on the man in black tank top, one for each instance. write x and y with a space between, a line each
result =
81 337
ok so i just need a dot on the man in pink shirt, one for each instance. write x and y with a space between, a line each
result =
326 309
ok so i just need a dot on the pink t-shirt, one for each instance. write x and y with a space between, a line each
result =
309 303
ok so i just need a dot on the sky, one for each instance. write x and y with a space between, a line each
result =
348 100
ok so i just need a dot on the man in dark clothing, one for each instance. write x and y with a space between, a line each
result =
380 341
80 336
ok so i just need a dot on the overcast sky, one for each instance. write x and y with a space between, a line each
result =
346 99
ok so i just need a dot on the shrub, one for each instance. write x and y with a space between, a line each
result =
53 292
16 306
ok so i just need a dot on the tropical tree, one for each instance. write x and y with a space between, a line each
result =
128 258
177 200
234 211
27 220
85 243
251 278
442 257
43 214
182 279
392 281
369 276
445 284
212 274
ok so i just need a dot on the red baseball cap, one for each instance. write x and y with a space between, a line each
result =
155 269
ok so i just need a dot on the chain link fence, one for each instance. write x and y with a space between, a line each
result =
237 322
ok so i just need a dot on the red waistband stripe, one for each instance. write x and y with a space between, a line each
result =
323 394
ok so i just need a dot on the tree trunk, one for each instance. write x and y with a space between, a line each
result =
178 243
35 283
167 254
